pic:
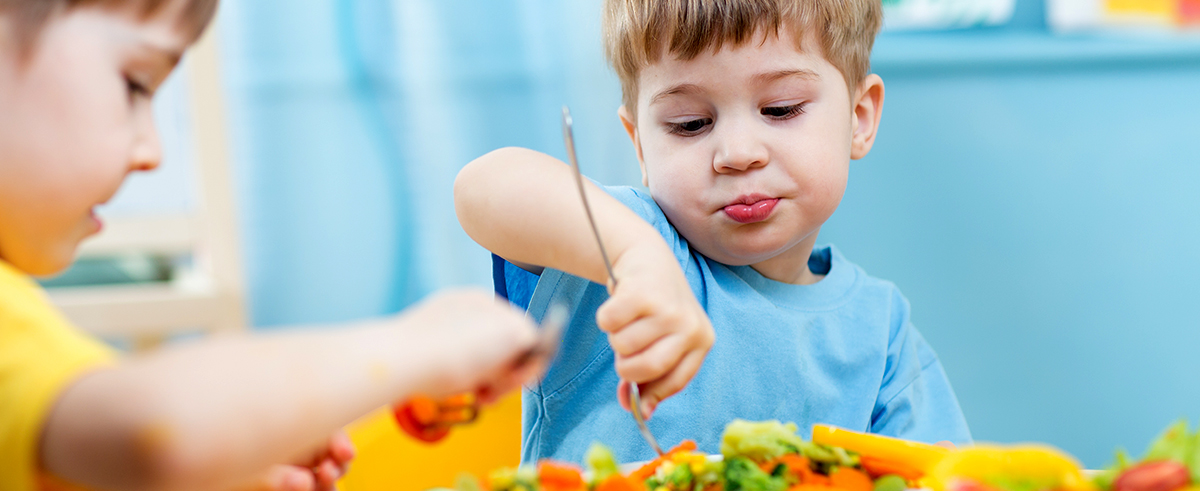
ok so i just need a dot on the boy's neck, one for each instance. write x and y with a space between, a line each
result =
791 266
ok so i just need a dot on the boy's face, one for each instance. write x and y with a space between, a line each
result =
747 149
76 120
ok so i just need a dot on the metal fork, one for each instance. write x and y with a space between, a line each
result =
635 397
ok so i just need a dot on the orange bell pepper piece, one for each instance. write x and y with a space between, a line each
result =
850 479
644 472
557 476
617 482
877 468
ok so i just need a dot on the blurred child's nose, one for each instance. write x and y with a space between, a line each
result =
146 153
739 146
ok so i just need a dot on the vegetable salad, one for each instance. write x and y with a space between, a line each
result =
755 456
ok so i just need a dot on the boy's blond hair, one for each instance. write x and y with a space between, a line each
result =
637 33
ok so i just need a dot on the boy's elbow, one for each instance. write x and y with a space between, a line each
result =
479 182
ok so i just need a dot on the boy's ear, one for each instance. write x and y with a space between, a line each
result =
868 109
631 128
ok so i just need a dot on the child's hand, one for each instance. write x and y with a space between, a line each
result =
475 341
657 329
318 473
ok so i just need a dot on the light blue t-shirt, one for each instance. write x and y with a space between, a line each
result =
842 351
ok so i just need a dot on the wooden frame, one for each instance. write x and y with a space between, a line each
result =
208 296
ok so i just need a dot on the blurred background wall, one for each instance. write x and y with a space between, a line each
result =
1036 196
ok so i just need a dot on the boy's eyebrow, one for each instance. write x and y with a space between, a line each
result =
762 78
673 90
769 77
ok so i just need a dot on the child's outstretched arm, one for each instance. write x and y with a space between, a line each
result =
524 206
217 413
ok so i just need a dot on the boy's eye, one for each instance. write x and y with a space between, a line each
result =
783 112
136 89
688 128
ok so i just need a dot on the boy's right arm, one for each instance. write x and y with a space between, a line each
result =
525 207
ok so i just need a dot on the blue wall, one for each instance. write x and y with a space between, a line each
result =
1036 197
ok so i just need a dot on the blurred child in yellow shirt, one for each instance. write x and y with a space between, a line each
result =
76 82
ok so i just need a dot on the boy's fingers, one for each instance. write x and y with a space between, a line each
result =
327 474
636 337
652 363
286 478
341 449
621 310
659 390
623 394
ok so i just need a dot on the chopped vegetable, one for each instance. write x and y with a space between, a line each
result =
555 476
890 482
600 462
851 479
883 450
1161 475
760 441
1018 468
649 469
741 474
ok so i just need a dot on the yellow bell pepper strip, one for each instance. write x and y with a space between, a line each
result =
1027 467
885 454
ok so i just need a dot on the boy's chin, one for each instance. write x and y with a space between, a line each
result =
49 264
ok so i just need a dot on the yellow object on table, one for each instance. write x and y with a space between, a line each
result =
919 456
390 460
1033 466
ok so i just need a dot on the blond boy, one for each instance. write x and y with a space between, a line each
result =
76 82
744 115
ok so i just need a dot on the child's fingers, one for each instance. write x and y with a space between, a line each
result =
623 394
653 393
637 336
653 362
341 449
327 474
622 309
285 478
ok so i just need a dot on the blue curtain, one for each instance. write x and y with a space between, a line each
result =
351 119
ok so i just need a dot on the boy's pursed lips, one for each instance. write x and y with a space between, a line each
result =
750 208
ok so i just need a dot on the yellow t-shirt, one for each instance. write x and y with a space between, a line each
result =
40 355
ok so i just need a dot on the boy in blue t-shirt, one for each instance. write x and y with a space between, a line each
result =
744 116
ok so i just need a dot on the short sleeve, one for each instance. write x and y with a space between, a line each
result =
916 401
644 206
40 356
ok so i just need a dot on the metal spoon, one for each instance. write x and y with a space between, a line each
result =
635 397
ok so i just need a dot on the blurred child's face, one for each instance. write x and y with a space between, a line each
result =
76 121
747 150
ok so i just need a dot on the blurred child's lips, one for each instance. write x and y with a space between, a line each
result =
97 224
751 209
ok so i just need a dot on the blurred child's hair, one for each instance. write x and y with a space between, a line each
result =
638 32
30 16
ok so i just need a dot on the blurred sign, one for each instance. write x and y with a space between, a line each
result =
945 14
1168 15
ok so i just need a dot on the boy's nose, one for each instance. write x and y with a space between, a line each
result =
739 150
146 153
